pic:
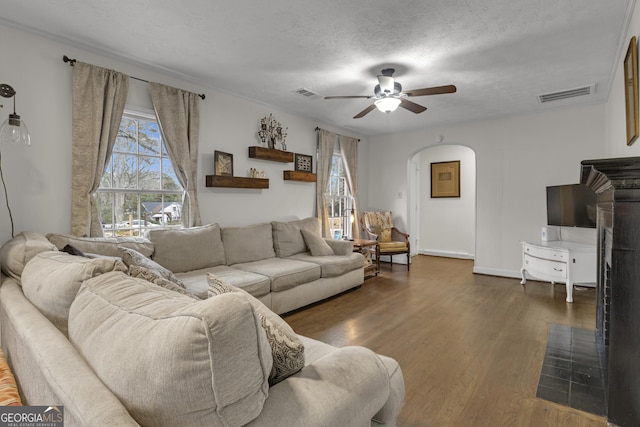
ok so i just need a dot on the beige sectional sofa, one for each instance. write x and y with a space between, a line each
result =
80 332
271 261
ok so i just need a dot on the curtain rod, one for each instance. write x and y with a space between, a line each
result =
318 129
72 62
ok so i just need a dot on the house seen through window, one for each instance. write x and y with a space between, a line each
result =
339 199
139 188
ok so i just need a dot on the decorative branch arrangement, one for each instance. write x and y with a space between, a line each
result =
271 133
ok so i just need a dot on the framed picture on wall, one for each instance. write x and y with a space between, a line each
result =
445 179
631 91
222 163
303 163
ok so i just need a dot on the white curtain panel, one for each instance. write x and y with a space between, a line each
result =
99 97
178 114
326 145
349 151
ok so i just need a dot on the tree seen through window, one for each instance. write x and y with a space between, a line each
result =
139 188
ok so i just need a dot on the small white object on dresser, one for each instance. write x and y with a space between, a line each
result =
559 261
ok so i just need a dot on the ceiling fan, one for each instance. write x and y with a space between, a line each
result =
388 95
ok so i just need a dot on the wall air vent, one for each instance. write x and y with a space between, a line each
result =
564 94
306 92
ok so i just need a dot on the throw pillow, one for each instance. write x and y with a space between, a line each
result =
286 348
316 244
132 257
153 277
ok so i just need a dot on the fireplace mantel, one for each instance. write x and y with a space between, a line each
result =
617 185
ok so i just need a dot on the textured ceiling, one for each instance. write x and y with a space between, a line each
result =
501 54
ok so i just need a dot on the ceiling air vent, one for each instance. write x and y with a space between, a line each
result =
306 92
564 94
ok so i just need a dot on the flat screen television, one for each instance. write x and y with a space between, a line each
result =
572 205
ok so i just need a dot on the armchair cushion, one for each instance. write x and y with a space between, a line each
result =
393 246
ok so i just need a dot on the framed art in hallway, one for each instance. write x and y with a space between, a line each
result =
445 179
222 163
631 91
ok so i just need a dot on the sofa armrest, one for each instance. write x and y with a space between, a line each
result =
340 247
347 387
49 370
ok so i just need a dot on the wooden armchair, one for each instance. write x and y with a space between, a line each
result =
379 226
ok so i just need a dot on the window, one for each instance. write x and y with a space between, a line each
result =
339 199
139 188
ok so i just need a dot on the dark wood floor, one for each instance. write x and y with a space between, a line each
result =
470 346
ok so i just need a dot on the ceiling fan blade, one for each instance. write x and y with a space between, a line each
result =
412 106
347 97
366 111
437 90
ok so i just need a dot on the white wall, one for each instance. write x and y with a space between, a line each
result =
39 178
517 157
616 135
447 225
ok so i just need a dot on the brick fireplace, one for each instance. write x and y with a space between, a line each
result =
617 185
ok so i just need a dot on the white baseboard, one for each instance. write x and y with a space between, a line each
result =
497 272
447 254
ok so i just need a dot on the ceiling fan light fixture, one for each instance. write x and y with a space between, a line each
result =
387 105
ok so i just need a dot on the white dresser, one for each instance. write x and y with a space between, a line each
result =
559 261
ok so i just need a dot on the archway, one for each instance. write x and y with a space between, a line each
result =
442 226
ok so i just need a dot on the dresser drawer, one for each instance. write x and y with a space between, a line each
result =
546 253
553 271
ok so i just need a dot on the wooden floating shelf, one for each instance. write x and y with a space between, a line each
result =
299 176
236 182
271 154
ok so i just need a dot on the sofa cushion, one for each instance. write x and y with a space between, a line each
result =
186 249
287 239
51 281
171 360
17 252
316 244
255 284
286 348
333 265
109 246
247 244
283 273
131 257
152 276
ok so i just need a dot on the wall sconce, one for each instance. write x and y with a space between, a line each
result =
14 129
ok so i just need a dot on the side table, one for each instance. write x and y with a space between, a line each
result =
361 245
